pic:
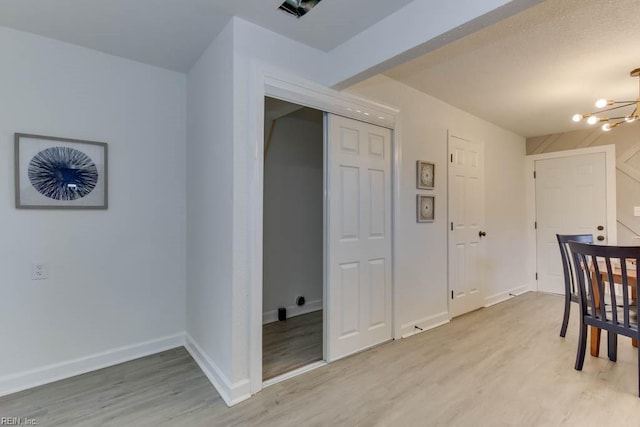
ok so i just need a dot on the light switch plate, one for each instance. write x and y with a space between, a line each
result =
636 211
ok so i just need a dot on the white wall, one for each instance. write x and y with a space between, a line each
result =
224 131
117 276
209 207
421 249
293 214
116 286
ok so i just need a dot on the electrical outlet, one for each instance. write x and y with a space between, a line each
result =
39 271
636 211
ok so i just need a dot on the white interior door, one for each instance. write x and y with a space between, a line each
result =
359 236
466 225
570 199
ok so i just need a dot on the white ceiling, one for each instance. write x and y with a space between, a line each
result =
528 73
174 33
531 72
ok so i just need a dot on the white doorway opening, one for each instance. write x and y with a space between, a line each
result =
309 95
293 238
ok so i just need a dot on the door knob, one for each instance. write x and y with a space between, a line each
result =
600 228
600 238
481 233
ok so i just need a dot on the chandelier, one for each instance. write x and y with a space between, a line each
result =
609 105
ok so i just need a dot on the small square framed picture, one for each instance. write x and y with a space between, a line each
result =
60 173
425 208
425 175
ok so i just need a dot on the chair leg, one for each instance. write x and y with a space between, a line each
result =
612 346
582 346
565 318
595 340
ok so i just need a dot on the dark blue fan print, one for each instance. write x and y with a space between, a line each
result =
63 173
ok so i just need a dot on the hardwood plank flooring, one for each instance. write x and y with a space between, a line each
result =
291 344
500 366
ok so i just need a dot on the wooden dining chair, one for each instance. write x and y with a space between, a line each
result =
570 288
598 269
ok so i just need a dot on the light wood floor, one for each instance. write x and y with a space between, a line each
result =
505 365
291 344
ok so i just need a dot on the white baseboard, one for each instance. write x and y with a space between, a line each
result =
47 374
424 324
292 311
503 296
231 393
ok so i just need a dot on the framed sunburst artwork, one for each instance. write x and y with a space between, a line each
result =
425 176
425 208
60 173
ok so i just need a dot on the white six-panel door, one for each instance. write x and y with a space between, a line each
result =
466 222
358 288
570 199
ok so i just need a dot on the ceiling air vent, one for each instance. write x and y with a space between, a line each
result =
298 8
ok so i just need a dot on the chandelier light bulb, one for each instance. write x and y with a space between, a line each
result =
630 118
606 127
576 117
601 103
592 120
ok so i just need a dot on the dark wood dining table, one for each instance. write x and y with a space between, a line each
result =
617 278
